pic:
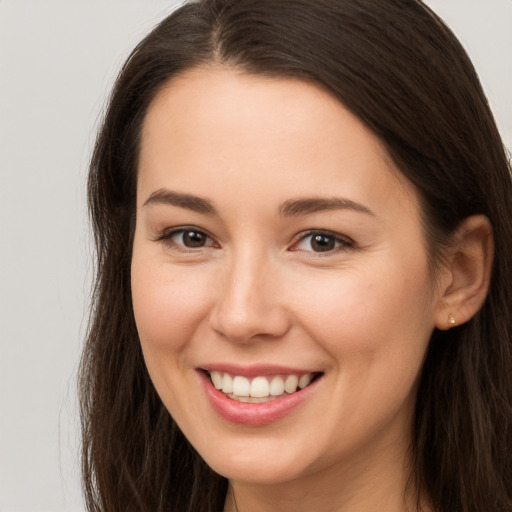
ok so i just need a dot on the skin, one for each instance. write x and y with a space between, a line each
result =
258 293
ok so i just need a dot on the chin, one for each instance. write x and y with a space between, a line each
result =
266 463
256 472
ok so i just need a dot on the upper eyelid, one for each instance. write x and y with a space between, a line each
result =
346 243
170 232
165 236
338 236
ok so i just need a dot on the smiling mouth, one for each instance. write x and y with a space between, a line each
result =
260 389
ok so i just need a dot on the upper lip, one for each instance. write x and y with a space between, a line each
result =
255 370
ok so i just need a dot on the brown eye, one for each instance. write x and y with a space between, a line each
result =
323 241
194 239
188 238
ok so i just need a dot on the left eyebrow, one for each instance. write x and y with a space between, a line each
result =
307 205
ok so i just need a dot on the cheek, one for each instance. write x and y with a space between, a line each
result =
377 312
375 326
168 306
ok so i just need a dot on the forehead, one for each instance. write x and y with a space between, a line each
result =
259 132
223 97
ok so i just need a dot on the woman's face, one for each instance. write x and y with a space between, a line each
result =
276 242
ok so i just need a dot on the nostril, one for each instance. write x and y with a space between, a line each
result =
250 325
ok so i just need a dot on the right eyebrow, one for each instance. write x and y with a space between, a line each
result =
188 201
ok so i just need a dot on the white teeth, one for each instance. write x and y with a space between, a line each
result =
216 379
241 386
276 386
260 389
227 384
290 385
305 380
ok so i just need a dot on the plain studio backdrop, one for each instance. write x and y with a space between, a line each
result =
58 59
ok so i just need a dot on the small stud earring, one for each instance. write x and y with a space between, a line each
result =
451 319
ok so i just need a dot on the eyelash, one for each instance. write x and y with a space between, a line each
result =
341 243
167 238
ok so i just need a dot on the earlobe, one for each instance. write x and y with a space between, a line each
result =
469 265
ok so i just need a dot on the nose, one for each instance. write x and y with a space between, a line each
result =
250 303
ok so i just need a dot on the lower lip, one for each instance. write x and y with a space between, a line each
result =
255 414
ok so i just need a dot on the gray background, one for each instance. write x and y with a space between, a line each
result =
57 61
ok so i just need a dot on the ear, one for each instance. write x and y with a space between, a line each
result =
467 274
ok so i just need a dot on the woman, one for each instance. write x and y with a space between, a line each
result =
303 228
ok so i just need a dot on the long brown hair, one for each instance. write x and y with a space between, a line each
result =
396 66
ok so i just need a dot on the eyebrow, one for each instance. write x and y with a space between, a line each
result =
290 208
305 206
194 203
